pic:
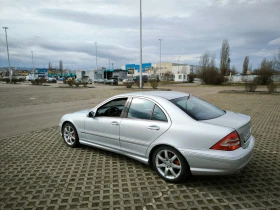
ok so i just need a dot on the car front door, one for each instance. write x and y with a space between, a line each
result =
103 128
144 123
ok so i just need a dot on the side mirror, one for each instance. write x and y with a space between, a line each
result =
90 114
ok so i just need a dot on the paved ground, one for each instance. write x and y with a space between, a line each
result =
38 171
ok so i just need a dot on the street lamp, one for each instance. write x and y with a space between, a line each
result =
95 60
108 68
10 71
96 53
178 63
160 56
33 63
140 44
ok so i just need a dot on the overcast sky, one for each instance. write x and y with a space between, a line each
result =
68 29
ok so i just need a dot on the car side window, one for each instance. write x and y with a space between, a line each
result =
113 108
158 114
145 109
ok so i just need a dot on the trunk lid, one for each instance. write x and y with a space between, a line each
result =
239 122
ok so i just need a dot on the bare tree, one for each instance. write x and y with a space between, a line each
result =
207 60
225 60
233 70
276 61
208 72
169 75
60 66
265 72
245 65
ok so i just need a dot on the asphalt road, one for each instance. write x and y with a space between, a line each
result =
25 108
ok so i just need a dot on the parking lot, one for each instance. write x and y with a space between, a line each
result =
38 170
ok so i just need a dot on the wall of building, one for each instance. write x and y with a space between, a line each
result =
181 69
165 67
181 78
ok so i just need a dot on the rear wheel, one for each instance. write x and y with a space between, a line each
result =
170 164
70 135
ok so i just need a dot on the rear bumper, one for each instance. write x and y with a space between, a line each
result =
214 162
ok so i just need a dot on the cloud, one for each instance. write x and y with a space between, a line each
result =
274 42
60 29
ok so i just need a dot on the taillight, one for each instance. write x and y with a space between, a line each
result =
228 143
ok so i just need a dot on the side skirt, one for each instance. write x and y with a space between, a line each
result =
140 159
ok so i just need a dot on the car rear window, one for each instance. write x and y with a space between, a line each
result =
197 108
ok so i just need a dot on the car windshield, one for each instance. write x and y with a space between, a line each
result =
198 109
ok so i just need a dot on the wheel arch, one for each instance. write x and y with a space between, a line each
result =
164 145
65 122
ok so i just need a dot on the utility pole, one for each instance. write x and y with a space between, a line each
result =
10 71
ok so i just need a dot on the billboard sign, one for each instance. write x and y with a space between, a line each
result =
146 67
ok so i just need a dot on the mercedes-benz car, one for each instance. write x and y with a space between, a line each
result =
178 134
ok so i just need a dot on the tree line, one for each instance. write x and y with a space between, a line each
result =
210 74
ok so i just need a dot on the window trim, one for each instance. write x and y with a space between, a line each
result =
109 101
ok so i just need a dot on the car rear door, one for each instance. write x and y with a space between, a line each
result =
145 121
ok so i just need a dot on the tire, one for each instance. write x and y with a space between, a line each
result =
70 135
170 164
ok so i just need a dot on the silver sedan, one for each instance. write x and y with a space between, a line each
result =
177 133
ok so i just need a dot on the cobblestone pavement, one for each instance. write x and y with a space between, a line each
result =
38 171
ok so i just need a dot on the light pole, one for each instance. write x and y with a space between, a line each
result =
95 58
10 71
96 54
140 44
108 68
160 56
178 63
33 63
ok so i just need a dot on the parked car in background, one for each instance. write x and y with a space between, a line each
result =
177 133
31 77
61 79
129 79
51 80
154 77
100 81
111 81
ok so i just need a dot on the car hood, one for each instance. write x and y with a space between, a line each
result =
230 119
84 111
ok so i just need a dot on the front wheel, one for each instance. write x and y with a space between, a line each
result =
70 135
170 164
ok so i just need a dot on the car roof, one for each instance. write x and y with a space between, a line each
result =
169 95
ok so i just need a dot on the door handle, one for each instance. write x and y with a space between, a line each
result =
114 123
154 127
